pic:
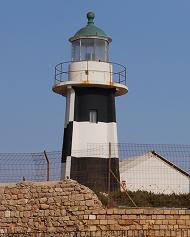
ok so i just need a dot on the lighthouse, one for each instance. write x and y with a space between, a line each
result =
90 83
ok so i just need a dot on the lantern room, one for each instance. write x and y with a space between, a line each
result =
90 65
90 43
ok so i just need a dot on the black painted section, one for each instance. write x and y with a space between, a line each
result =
90 98
67 141
93 172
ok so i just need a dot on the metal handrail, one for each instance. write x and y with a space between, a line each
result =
119 76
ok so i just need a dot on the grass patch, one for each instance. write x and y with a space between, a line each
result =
145 199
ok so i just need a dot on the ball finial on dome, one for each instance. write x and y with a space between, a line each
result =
90 17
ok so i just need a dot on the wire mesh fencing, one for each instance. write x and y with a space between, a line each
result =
160 169
16 167
153 168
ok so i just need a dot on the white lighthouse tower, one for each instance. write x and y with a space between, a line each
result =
90 84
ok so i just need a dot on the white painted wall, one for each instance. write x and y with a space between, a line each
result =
151 174
98 72
70 103
99 134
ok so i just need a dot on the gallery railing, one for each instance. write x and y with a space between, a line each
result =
117 72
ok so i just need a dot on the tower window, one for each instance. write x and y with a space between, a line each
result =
93 116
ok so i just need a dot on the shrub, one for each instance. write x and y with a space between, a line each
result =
145 199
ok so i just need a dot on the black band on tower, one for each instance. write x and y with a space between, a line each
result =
98 172
67 142
90 98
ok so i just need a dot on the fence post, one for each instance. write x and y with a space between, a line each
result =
48 165
123 188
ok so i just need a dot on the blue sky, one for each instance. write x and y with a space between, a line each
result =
152 38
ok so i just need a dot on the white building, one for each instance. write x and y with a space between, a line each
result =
153 173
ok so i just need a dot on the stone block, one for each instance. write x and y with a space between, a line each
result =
102 211
103 222
63 212
46 213
4 202
73 208
157 211
85 217
112 222
79 197
7 214
12 202
92 228
82 208
129 222
121 211
163 227
14 197
44 206
89 203
144 217
101 217
21 214
110 211
184 217
133 217
50 200
172 222
187 222
167 212
137 211
182 212
22 201
174 212
57 212
58 189
92 217
2 208
160 222
93 222
43 200
160 217
180 222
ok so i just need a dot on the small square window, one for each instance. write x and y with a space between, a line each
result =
93 116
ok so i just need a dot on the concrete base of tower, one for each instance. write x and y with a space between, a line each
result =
93 172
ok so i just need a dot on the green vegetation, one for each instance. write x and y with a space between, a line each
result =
145 199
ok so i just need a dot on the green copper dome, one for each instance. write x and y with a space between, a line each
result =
90 30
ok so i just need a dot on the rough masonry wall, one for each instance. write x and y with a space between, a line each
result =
67 206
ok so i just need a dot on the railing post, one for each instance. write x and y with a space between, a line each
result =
111 79
87 72
48 165
55 75
125 76
61 72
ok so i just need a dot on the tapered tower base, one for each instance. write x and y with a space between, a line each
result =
96 176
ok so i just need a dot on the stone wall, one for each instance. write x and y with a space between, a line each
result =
68 206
